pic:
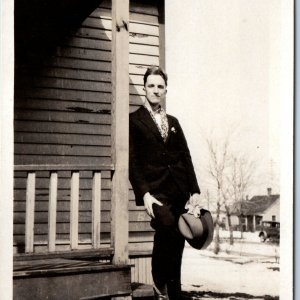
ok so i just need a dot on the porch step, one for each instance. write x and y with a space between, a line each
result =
142 291
60 278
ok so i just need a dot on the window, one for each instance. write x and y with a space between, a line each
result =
273 218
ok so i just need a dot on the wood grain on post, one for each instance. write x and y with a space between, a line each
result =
29 219
52 211
74 210
120 129
96 210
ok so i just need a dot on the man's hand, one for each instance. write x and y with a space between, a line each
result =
193 205
195 199
148 202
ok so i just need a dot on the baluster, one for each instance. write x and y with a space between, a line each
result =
96 209
52 211
29 221
74 210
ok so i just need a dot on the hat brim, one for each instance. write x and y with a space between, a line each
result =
198 232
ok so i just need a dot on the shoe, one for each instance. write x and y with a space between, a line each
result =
174 289
160 294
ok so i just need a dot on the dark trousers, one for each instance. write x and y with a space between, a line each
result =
168 244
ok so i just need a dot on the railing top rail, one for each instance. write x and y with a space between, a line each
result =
95 167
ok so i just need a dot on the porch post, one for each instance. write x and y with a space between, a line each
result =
246 223
6 146
120 129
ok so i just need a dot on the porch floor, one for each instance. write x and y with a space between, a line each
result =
60 278
142 291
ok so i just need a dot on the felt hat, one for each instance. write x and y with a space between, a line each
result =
198 231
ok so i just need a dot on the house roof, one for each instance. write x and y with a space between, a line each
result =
256 205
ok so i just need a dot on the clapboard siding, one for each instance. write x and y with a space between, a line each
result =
85 216
143 16
144 7
64 203
65 139
89 76
136 45
64 196
68 73
80 85
83 85
42 182
63 105
63 116
83 53
106 35
71 84
23 126
56 160
134 26
79 64
42 229
52 93
61 150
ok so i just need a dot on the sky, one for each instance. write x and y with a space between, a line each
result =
223 62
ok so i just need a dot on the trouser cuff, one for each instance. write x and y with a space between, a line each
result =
160 293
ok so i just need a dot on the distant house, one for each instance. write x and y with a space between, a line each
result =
223 222
257 209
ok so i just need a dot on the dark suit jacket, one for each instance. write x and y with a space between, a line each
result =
153 162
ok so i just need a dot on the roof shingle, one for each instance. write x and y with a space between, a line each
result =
255 206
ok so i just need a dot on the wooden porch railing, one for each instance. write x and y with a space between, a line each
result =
74 202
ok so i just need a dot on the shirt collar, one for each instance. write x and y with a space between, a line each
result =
149 108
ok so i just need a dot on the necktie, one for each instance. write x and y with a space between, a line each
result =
164 124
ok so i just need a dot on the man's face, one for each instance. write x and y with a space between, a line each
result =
155 89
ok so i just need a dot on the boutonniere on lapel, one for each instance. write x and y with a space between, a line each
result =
173 129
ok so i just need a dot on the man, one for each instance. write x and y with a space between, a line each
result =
163 179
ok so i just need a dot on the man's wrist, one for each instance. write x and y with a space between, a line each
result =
194 193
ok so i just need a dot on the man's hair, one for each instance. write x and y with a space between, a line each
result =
154 70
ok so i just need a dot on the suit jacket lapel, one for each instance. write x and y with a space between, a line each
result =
148 121
170 122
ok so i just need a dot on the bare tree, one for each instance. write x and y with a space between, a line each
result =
227 205
207 199
238 180
230 191
232 176
218 158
